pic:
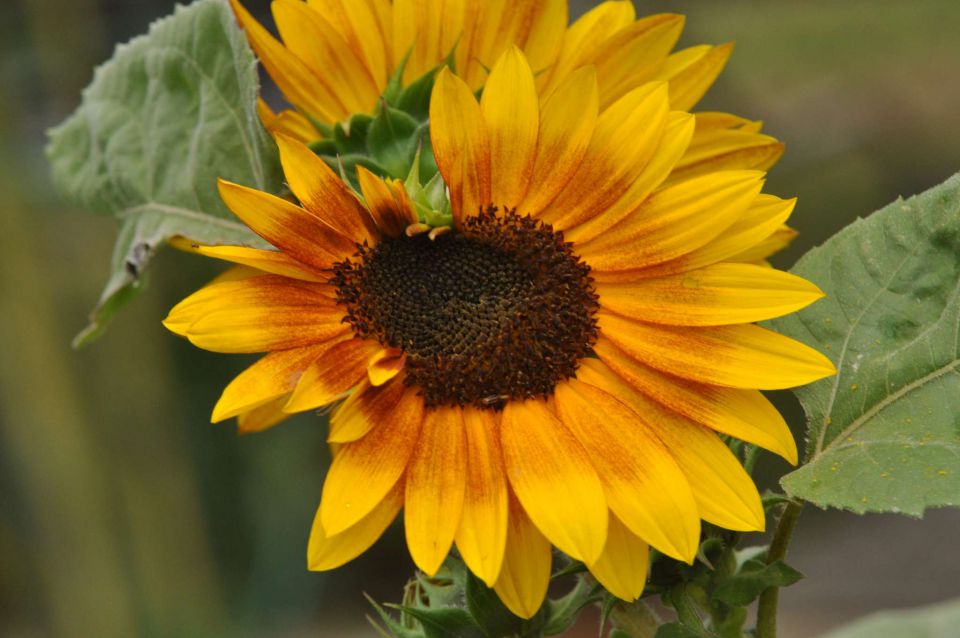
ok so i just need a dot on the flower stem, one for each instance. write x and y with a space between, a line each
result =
769 599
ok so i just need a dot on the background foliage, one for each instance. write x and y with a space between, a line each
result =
122 512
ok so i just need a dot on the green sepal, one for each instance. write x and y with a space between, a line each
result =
415 99
394 629
351 136
429 200
392 140
563 612
445 622
489 612
755 575
324 147
679 630
394 88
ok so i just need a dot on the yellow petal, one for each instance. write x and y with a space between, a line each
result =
259 314
642 483
274 375
567 122
385 366
428 30
326 552
328 377
674 221
757 224
673 142
310 37
511 111
711 296
269 261
774 243
610 167
323 193
744 414
735 146
633 55
491 27
388 202
299 83
290 228
364 471
367 408
692 71
525 576
552 477
461 144
436 482
262 417
740 356
482 535
365 26
584 37
622 567
289 123
725 494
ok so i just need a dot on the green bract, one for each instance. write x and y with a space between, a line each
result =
884 434
171 112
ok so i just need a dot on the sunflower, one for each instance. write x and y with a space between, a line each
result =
553 368
337 57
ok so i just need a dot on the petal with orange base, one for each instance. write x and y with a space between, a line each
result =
553 478
482 535
436 481
364 471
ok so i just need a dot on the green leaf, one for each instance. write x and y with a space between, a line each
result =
446 623
935 621
491 614
746 586
166 116
884 433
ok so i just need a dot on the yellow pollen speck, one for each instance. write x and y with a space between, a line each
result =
942 472
864 500
833 468
885 475
854 387
828 320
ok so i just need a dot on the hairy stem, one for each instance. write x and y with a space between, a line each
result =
769 599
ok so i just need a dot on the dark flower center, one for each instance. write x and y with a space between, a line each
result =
501 310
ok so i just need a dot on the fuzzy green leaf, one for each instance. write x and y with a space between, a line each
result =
167 115
936 621
884 433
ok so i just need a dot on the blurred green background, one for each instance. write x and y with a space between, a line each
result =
124 513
